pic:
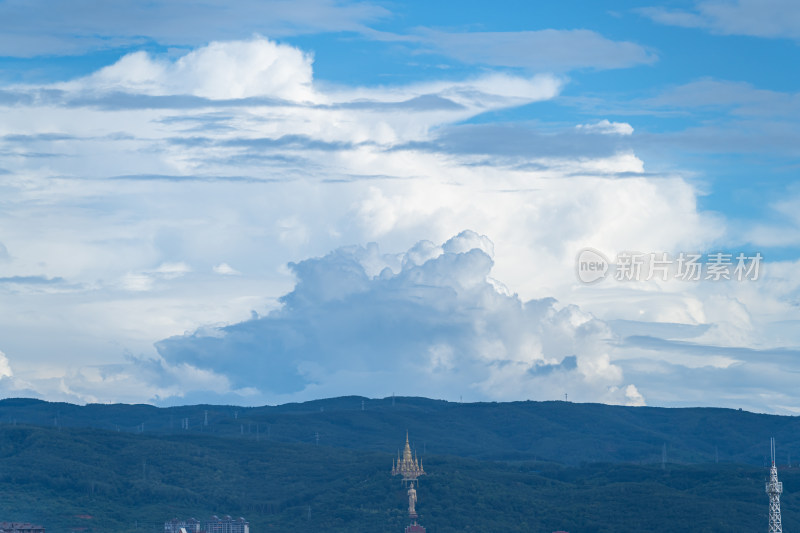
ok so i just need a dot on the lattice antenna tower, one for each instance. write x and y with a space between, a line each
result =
774 490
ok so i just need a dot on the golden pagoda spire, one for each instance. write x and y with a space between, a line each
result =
407 450
408 466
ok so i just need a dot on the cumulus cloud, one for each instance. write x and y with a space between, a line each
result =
427 320
10 385
236 110
109 184
219 70
5 367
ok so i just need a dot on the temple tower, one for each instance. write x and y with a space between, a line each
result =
410 469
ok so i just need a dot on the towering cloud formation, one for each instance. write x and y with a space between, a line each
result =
428 321
165 192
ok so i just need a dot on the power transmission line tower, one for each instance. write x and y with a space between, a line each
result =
774 490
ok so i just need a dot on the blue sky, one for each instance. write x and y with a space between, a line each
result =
273 201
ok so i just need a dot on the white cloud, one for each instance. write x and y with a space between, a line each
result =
758 18
171 270
11 385
435 325
547 50
743 99
469 240
137 282
607 128
719 116
140 379
5 368
146 280
42 27
182 135
219 70
131 199
633 396
226 270
684 19
783 227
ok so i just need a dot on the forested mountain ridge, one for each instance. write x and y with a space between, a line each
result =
507 467
562 432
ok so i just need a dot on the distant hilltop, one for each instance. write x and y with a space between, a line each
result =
325 466
554 431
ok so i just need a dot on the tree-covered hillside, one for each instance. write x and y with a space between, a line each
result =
561 432
491 467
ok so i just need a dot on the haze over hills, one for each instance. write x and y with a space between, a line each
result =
511 467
